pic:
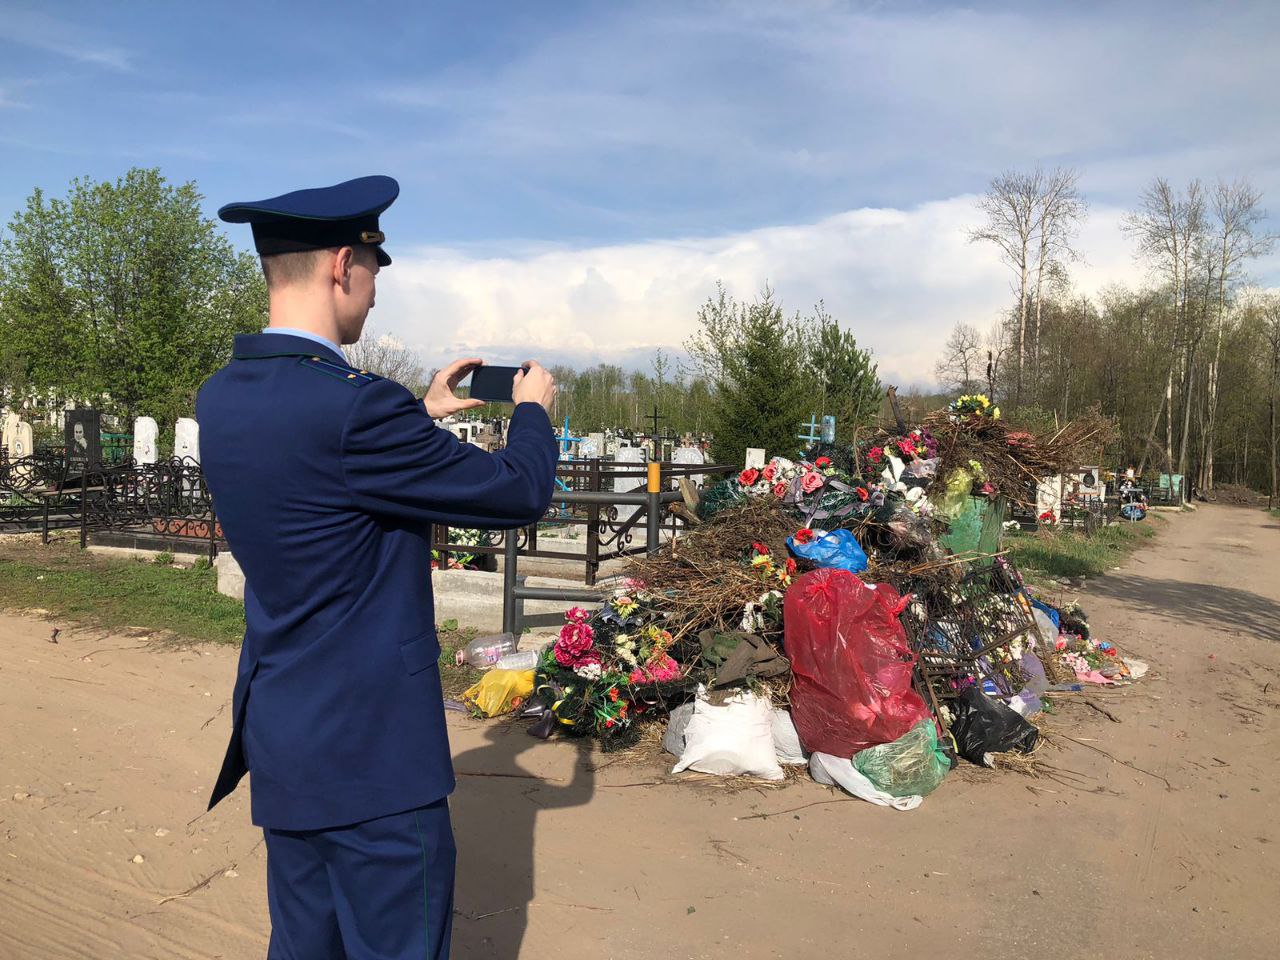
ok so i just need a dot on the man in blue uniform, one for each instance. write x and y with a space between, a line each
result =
326 480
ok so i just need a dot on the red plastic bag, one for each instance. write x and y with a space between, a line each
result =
851 663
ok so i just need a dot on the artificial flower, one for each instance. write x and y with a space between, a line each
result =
770 472
804 536
780 490
863 495
875 454
748 478
659 670
811 481
822 462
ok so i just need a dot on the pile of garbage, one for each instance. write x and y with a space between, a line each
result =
847 611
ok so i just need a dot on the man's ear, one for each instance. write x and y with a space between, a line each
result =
342 266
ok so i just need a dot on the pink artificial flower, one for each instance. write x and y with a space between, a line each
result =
875 454
659 671
907 447
780 490
770 472
1060 644
576 615
634 584
811 481
575 641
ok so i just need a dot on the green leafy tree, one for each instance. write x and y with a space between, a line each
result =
756 361
843 376
122 294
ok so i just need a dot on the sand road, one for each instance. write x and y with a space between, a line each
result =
1167 846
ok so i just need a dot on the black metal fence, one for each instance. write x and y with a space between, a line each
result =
585 502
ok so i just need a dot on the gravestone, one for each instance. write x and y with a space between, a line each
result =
1049 498
590 448
186 439
629 455
8 427
145 433
755 459
688 455
82 433
17 439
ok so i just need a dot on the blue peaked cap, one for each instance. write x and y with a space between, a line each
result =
344 215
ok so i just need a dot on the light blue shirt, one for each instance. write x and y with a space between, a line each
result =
307 335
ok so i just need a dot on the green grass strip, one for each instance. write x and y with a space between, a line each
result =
1069 553
120 593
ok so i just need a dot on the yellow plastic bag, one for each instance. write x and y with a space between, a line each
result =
499 691
952 503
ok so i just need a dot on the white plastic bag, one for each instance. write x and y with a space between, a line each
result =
839 772
733 739
786 741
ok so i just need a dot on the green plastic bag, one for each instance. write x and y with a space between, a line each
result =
911 766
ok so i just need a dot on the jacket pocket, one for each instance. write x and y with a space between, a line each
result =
420 652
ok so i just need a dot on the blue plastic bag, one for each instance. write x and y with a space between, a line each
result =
838 549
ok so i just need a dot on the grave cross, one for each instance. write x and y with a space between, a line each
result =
566 441
811 434
657 442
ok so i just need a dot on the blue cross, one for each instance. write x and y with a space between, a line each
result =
812 427
566 441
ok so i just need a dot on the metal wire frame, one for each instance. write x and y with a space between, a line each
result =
960 630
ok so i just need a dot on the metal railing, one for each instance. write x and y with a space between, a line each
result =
649 504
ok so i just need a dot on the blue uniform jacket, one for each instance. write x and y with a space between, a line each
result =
326 481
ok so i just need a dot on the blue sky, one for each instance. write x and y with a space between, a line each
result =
576 176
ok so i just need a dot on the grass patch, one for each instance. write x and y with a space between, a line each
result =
1069 553
121 593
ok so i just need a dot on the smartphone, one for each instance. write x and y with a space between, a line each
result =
493 384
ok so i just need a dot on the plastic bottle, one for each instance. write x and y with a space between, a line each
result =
519 660
486 651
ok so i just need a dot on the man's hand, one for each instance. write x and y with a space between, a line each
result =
441 401
534 386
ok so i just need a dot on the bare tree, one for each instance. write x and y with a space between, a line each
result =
387 356
1011 206
1237 238
960 366
1170 231
1059 211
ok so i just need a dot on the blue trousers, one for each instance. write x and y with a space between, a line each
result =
377 890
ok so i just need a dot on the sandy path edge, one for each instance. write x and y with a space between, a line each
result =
110 750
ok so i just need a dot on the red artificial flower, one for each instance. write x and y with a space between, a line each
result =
875 454
863 494
803 536
780 490
791 567
822 462
748 477
613 694
609 722
770 472
760 548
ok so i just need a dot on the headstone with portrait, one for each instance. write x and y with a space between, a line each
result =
145 434
82 433
186 439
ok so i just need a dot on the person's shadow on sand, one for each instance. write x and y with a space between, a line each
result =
494 812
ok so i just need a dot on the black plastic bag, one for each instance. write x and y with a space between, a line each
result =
981 725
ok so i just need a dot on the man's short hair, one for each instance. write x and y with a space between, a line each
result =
282 269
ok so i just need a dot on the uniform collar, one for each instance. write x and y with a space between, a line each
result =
254 346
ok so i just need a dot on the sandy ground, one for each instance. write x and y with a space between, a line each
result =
1166 849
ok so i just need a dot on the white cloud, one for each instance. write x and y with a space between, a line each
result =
900 279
